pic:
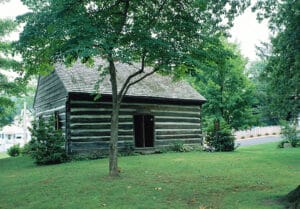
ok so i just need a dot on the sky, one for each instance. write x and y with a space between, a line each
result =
247 32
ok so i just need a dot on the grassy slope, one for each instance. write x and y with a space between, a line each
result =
252 177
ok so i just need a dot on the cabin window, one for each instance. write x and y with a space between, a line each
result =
57 122
144 130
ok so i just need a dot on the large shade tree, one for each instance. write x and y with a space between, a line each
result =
156 33
282 73
9 87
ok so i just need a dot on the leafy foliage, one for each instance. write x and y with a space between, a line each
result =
14 151
262 105
229 93
219 136
179 146
158 32
47 144
290 133
8 88
283 61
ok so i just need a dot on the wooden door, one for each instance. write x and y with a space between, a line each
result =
144 130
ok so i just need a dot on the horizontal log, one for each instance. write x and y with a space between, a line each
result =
49 100
101 112
135 106
56 87
177 126
89 104
90 100
60 109
44 81
50 105
177 131
179 136
88 133
100 138
55 103
98 120
101 126
177 114
177 119
95 145
82 110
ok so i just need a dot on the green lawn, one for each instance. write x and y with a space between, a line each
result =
251 177
3 155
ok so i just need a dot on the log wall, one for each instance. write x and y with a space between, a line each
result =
90 124
51 97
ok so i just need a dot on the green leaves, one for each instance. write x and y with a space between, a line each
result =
223 83
47 144
282 73
165 31
8 88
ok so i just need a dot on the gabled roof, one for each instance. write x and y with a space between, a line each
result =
82 79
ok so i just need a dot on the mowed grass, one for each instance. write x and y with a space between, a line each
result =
3 155
251 177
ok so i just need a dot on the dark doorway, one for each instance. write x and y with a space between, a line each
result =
144 130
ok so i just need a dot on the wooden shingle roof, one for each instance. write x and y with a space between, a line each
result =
82 79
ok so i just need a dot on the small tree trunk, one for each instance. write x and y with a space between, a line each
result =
113 145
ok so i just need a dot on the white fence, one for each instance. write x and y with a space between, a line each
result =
257 132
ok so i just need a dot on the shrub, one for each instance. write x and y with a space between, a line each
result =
281 143
219 136
289 133
179 146
47 144
14 151
26 149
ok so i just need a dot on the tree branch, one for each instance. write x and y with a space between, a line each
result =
141 70
134 82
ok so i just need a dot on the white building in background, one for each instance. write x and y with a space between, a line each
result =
11 135
16 133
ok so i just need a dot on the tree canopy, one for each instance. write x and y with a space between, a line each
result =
158 32
282 72
8 87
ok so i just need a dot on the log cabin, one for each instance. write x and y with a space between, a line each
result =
155 112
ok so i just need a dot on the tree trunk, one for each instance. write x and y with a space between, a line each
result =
113 145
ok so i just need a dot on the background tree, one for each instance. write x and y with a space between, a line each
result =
282 72
8 87
229 93
263 93
156 33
